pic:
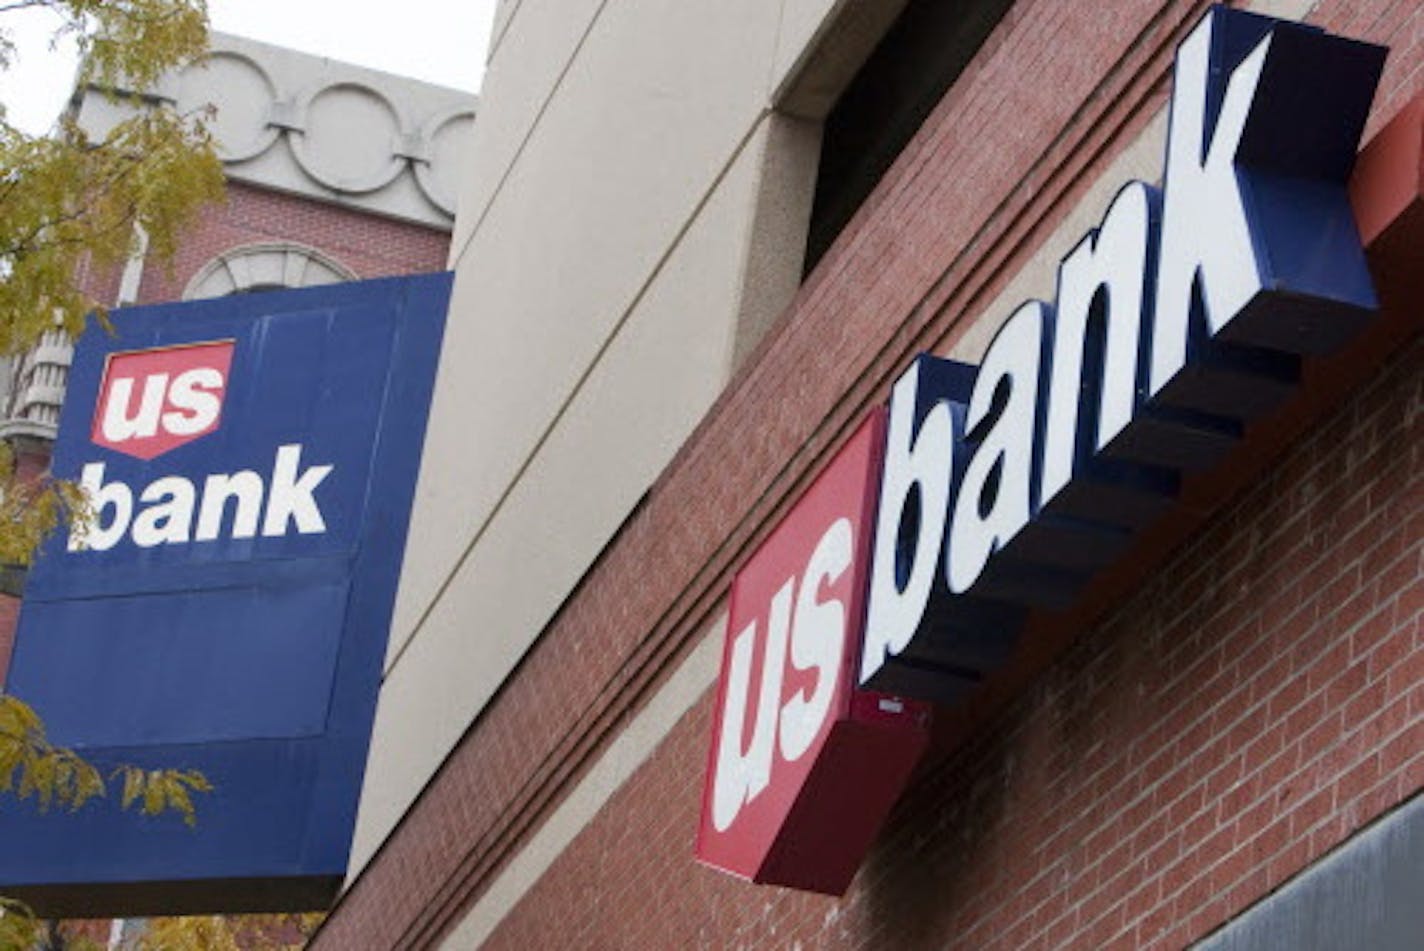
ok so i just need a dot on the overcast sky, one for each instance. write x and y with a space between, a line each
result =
440 41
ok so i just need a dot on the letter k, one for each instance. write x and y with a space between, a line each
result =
293 496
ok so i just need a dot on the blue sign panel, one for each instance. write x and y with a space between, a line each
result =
252 462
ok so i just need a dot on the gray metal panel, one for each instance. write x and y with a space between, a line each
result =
1369 893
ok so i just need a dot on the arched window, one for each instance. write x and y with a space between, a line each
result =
262 267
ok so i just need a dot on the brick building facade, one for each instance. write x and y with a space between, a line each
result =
1221 726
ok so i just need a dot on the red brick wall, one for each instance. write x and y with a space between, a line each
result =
367 244
1236 716
1247 710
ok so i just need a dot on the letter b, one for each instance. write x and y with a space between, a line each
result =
101 495
914 506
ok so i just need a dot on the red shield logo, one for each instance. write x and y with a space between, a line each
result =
153 401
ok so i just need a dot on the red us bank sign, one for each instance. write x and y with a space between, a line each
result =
1000 493
796 748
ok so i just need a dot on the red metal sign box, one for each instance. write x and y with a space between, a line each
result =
803 766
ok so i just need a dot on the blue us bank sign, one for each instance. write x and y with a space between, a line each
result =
251 461
1187 314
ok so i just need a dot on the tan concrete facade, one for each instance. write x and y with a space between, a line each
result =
607 286
613 434
633 218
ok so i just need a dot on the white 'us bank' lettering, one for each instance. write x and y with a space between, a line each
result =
195 395
813 637
173 511
1160 261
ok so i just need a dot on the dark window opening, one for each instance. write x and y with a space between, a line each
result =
907 74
